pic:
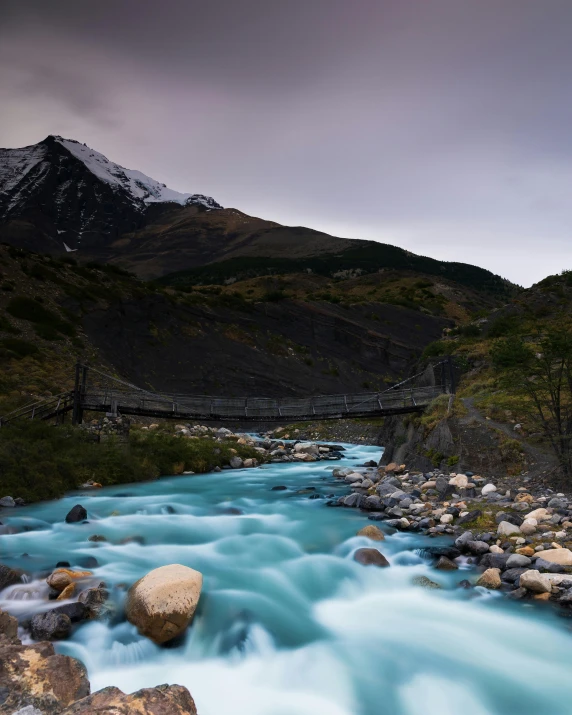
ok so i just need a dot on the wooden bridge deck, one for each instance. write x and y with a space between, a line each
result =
118 397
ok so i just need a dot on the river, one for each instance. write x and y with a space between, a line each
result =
288 623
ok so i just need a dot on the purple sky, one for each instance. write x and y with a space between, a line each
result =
443 126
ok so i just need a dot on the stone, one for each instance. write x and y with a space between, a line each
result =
462 540
59 580
8 627
93 599
75 611
511 575
517 594
535 581
518 561
528 527
163 602
50 626
459 481
34 676
370 557
161 700
236 462
446 519
96 538
9 576
76 514
372 532
540 514
392 467
526 551
477 547
7 502
470 516
67 592
488 489
490 579
563 557
494 549
556 503
425 582
524 497
541 564
505 528
445 564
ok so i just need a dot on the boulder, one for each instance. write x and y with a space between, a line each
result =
8 627
9 576
535 581
490 579
372 532
488 489
505 528
49 626
236 462
518 561
161 700
370 557
477 547
162 603
563 557
33 675
7 503
307 448
528 527
76 514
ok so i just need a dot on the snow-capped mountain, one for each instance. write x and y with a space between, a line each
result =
60 191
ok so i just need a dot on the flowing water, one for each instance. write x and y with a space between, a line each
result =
288 623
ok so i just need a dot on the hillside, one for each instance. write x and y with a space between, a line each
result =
276 336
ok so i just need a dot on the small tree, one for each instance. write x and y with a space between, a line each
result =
541 372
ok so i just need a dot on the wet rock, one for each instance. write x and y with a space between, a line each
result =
161 700
490 579
96 538
162 603
372 532
372 503
8 627
465 584
462 540
9 576
511 575
278 488
425 582
74 611
445 564
76 514
50 626
517 594
93 599
7 503
370 557
494 561
58 580
236 462
477 547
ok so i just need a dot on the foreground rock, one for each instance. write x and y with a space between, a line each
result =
372 532
76 514
162 603
50 626
162 700
34 680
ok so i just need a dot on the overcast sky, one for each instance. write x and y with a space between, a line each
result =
443 126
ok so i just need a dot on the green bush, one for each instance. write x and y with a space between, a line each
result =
40 461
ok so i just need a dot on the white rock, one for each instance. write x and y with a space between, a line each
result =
446 519
505 528
535 581
540 514
488 488
563 557
528 526
494 549
460 481
162 603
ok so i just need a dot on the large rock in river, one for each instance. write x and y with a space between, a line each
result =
370 557
162 603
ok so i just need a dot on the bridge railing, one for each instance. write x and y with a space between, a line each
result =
259 407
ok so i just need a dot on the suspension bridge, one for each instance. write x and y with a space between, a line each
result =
96 391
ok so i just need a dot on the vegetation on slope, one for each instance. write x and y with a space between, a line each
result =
39 461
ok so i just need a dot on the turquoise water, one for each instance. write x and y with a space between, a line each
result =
288 623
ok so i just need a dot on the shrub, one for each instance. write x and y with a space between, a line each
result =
19 348
46 320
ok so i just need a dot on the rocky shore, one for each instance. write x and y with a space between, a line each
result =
518 538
